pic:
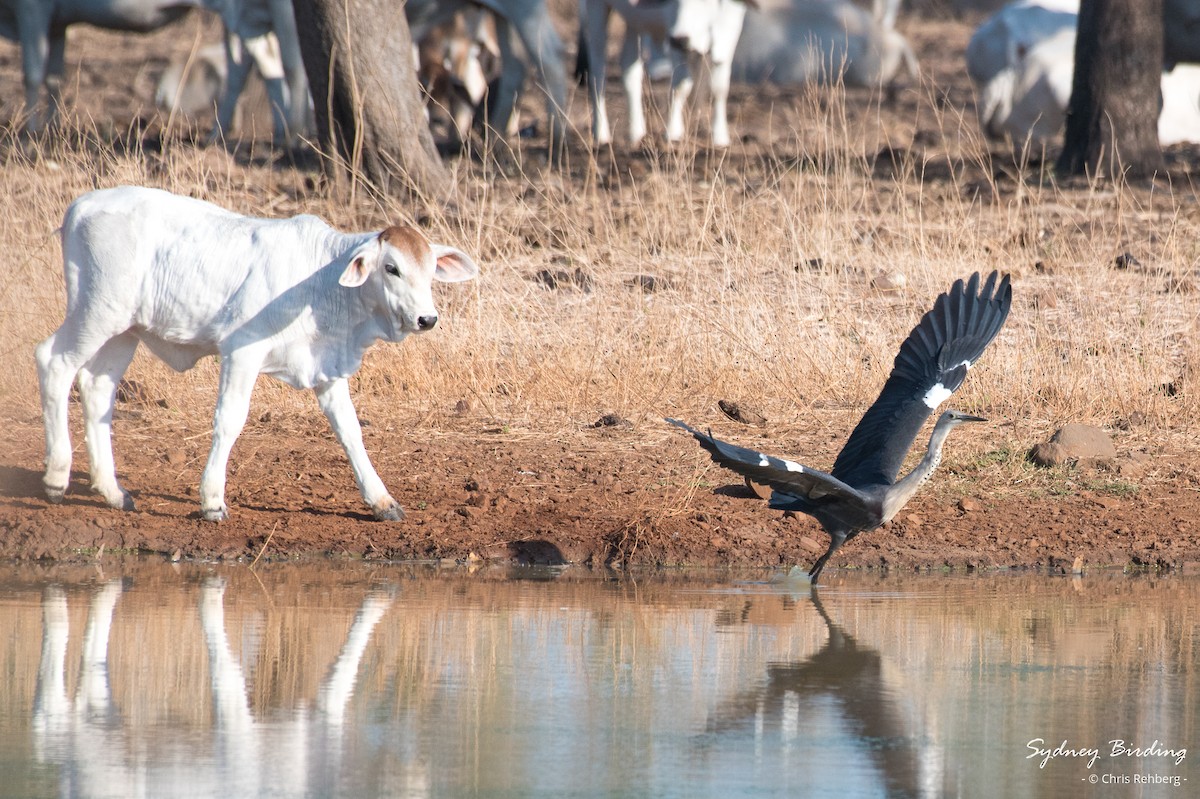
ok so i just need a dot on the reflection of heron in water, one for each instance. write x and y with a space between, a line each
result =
871 711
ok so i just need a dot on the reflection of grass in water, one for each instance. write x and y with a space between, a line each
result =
459 648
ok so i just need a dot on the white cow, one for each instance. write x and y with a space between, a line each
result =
1022 62
793 42
260 30
292 298
695 29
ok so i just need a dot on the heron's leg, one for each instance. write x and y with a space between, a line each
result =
835 541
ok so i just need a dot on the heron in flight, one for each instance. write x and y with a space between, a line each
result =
862 492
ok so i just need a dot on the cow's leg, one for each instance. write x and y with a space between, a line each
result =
334 399
595 33
283 20
719 79
98 389
545 49
33 30
56 65
233 403
265 52
725 38
632 75
237 69
681 89
512 76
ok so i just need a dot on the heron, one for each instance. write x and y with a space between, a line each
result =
862 491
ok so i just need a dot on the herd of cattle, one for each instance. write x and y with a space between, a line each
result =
1021 59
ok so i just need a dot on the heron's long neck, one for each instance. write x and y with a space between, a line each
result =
906 486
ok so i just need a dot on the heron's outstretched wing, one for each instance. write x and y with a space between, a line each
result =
781 475
931 365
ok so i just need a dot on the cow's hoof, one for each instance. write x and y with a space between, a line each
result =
55 494
388 510
122 500
215 515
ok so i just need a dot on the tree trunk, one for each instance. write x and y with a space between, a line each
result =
1112 119
369 110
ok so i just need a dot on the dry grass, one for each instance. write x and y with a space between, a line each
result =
763 264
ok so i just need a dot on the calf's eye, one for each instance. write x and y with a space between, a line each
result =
392 269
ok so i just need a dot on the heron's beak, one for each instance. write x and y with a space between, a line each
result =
965 418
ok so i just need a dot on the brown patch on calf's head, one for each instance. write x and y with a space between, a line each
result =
408 240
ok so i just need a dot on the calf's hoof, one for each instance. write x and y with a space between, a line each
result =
388 510
215 514
54 494
121 500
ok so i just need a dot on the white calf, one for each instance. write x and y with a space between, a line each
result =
793 42
695 29
292 298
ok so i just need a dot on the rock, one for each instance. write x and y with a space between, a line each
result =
1134 465
1126 261
740 412
612 420
1045 299
760 490
1048 453
1074 442
176 457
650 283
968 505
811 544
889 281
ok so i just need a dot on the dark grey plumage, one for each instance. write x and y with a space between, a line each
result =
862 492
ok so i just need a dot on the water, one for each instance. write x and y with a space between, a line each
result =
326 680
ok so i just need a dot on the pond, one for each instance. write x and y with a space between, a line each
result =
144 679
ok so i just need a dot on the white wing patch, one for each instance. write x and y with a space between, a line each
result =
763 460
939 393
936 396
793 467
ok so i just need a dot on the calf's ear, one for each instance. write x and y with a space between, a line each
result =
453 265
363 261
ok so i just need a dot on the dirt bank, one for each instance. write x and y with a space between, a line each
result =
628 495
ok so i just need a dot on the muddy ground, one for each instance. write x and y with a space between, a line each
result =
629 494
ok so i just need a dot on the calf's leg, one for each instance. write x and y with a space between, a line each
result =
334 399
98 389
233 403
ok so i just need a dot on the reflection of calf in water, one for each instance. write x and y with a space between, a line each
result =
78 726
95 746
869 709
